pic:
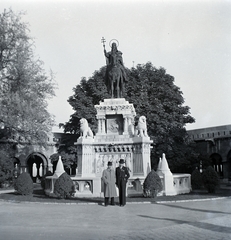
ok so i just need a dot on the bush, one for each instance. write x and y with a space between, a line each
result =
152 185
196 179
43 179
24 184
210 179
63 186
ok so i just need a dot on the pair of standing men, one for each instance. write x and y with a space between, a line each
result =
118 177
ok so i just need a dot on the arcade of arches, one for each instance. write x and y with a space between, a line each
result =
36 160
36 163
215 143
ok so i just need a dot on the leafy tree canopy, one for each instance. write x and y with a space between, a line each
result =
67 151
24 84
87 94
154 95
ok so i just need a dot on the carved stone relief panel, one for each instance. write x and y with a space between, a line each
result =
103 158
114 124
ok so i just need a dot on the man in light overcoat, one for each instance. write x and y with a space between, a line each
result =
108 178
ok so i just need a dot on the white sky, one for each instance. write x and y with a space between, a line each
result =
190 39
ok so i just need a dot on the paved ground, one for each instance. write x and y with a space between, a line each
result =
210 219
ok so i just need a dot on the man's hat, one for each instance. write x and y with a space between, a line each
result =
109 163
121 161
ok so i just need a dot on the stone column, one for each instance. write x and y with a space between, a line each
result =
23 169
125 125
99 125
103 125
138 161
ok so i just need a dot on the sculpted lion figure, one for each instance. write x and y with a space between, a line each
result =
141 128
85 129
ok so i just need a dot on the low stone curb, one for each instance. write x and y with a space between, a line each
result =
193 200
7 191
102 204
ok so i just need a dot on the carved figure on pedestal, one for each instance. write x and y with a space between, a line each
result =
98 165
128 161
115 73
141 128
85 130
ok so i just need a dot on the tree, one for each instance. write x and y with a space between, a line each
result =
64 186
69 158
154 95
87 94
6 163
67 151
210 179
152 185
24 184
24 84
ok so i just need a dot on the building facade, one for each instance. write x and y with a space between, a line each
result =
35 159
215 143
212 142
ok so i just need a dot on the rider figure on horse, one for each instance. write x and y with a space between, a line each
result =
114 59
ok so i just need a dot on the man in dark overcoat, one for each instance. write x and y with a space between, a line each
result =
122 175
108 177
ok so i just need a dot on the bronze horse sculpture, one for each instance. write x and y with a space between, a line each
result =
115 72
115 78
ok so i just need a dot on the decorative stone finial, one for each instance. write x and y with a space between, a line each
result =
159 164
164 165
59 168
158 170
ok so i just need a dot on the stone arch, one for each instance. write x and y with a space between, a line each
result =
16 162
217 163
229 165
37 165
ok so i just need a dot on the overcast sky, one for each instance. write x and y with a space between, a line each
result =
190 39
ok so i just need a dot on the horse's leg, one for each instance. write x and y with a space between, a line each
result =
121 86
118 86
112 87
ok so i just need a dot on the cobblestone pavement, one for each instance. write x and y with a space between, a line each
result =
210 219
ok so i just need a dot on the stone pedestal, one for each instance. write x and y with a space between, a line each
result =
86 156
141 156
167 178
114 140
115 118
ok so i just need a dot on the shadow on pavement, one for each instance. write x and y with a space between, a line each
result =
203 225
194 209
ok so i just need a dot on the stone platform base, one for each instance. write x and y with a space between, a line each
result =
87 186
93 187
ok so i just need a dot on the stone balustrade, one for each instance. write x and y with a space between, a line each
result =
181 184
173 184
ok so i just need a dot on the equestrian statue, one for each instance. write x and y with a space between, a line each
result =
115 76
